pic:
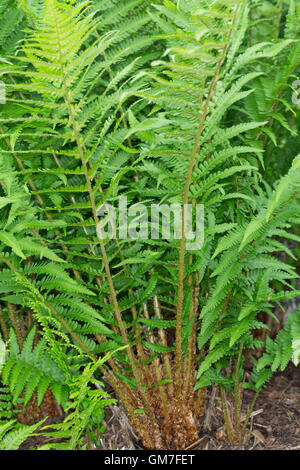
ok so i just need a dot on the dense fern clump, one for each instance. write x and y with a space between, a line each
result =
163 104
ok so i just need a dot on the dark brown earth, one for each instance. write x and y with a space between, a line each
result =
276 426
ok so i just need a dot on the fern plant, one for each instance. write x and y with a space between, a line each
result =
87 121
272 97
85 413
33 368
12 437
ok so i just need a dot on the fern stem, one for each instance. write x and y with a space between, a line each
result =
158 369
248 417
136 371
199 400
191 353
163 338
159 376
227 418
3 326
15 324
204 114
237 397
137 331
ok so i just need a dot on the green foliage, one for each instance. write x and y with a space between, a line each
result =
85 412
32 369
7 407
12 24
11 436
279 351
